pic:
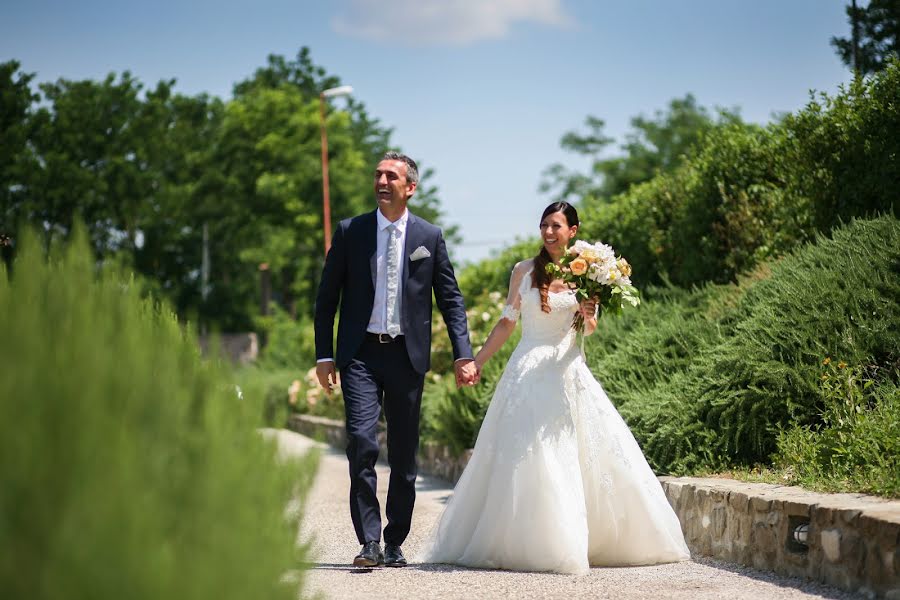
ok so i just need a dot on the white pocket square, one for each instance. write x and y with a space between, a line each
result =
419 253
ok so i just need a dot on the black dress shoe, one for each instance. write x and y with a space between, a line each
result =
393 556
369 556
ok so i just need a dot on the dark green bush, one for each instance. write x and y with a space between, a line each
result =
129 468
729 385
476 281
842 153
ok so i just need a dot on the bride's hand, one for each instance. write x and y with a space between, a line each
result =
588 308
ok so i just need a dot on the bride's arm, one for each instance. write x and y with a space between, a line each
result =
507 323
498 336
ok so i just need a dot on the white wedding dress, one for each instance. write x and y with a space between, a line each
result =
556 481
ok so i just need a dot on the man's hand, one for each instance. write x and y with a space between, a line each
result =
326 375
466 372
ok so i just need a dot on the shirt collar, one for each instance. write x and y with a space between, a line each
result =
383 222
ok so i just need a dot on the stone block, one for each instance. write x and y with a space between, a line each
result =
739 501
796 508
830 540
760 504
849 516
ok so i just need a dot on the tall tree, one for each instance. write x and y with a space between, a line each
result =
653 146
875 36
163 180
17 160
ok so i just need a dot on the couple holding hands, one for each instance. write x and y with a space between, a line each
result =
556 481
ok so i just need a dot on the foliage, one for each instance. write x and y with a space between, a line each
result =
747 194
129 467
654 146
289 343
154 173
855 442
16 99
282 391
478 280
710 382
841 155
878 29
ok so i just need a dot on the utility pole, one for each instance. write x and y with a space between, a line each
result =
855 12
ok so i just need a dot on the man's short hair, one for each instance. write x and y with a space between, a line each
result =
412 169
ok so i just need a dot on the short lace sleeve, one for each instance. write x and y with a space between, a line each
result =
514 298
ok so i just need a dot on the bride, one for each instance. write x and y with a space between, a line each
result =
556 481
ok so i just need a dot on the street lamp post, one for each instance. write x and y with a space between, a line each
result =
326 204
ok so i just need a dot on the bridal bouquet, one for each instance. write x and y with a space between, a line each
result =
594 272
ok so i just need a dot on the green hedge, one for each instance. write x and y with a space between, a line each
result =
129 468
709 383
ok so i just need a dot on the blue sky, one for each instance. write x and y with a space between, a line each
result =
479 90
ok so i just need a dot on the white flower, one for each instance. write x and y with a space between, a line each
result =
579 246
494 296
603 251
485 316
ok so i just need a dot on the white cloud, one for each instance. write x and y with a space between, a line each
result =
435 22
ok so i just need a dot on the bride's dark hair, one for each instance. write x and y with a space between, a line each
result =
539 276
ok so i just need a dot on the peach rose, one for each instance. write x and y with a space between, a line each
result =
579 266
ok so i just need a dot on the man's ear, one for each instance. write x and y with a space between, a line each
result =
411 189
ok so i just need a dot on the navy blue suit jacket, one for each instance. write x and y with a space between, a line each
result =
348 280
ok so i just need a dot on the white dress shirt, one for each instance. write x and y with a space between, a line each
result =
378 320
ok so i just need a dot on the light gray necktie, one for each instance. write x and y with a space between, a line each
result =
393 281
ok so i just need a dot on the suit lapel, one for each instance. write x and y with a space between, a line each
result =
371 245
412 241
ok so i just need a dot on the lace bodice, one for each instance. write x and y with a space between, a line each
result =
538 327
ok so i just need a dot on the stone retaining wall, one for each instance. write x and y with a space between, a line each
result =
851 540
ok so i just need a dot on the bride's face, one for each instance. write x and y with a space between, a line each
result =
556 233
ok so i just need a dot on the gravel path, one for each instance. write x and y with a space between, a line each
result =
327 525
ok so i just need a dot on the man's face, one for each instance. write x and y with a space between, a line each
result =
392 190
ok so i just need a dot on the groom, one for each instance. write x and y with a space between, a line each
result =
381 269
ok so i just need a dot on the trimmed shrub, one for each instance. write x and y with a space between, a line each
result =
754 369
129 467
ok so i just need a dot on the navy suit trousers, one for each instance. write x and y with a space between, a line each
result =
381 376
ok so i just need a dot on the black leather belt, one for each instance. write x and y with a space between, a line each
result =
382 338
